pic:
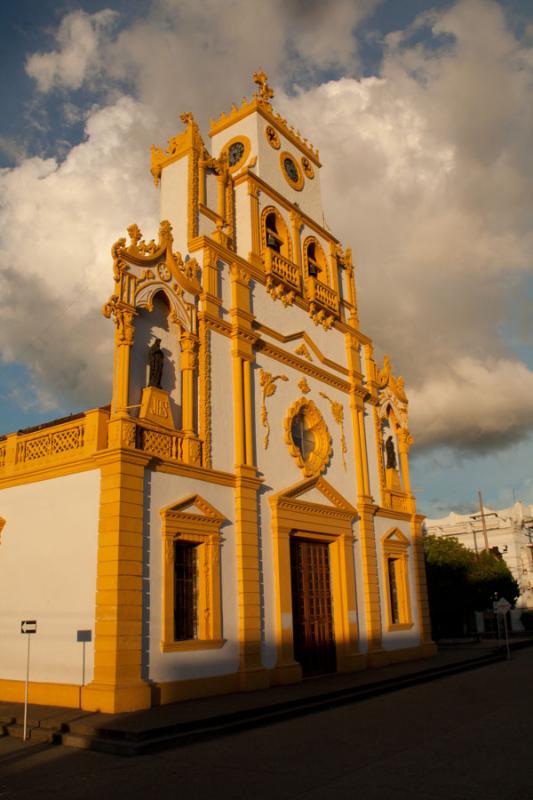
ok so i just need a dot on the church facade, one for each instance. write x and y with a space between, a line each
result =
241 514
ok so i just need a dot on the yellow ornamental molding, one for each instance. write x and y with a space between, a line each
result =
123 317
307 437
338 415
268 386
302 350
392 399
141 269
386 378
303 386
272 137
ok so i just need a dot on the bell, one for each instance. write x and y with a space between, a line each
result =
313 269
272 242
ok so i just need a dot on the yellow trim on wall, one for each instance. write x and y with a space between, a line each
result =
319 457
243 159
297 184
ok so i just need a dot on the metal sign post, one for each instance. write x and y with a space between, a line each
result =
27 626
501 607
83 636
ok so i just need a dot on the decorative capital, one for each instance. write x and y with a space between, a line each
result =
239 273
123 318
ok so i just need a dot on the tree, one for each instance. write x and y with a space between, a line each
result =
461 582
490 578
447 567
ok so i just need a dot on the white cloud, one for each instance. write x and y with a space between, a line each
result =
474 405
79 38
57 223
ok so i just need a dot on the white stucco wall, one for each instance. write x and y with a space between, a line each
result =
174 200
161 491
291 319
372 456
48 573
222 417
243 229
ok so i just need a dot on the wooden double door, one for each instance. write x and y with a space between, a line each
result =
314 641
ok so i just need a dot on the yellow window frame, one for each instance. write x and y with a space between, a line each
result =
395 547
180 523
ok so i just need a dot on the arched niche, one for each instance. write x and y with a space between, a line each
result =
315 261
156 321
274 233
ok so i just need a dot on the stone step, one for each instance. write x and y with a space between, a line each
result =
34 732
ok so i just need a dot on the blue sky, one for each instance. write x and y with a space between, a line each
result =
423 115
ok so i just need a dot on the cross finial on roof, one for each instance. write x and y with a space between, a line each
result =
265 93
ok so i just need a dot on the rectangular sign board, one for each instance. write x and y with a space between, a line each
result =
28 626
84 636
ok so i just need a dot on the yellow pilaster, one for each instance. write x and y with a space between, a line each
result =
117 683
367 539
365 504
253 192
252 673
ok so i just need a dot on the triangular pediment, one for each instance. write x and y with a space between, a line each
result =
194 505
306 347
318 491
396 536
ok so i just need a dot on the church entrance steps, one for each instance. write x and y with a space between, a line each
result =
178 724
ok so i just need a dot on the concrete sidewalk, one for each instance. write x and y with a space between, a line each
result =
144 731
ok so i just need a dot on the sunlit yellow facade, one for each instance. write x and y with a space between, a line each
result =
272 458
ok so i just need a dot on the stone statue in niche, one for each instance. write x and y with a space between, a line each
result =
391 454
155 363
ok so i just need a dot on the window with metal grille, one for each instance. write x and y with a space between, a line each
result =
392 568
185 591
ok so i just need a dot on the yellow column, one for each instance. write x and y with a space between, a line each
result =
248 413
238 408
365 506
296 225
252 673
188 365
124 333
253 192
405 441
117 684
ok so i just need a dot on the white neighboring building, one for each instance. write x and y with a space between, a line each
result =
508 529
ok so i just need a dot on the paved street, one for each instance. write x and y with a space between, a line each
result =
467 736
